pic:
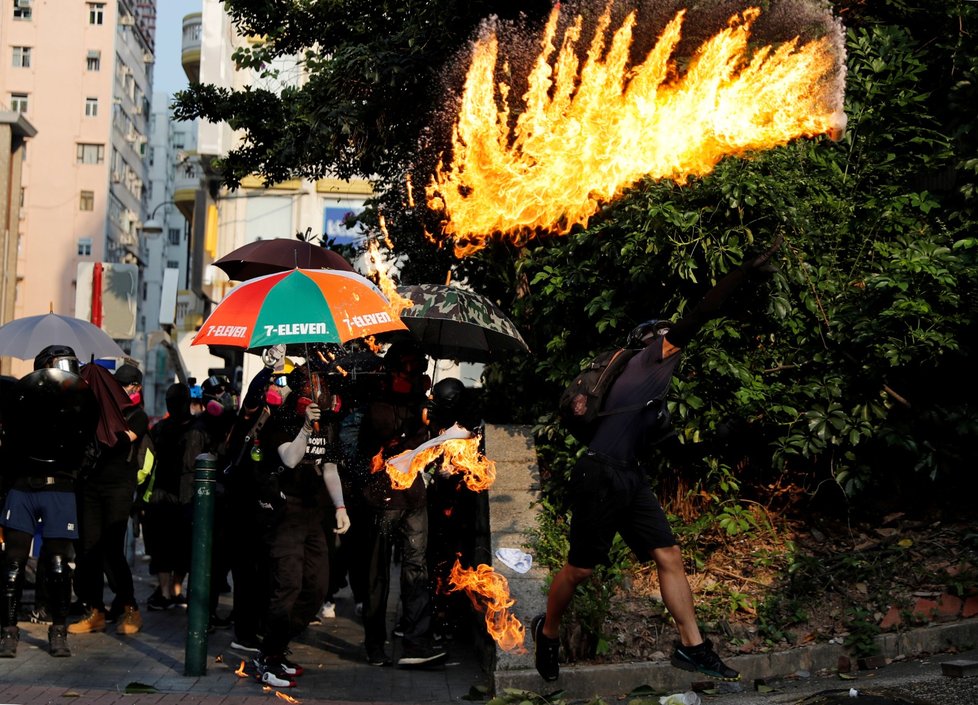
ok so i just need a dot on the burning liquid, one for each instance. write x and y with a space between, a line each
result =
587 130
489 593
458 455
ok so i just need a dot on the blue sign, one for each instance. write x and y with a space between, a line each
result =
334 228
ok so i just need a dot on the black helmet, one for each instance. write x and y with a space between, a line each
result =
214 386
404 354
447 394
59 356
647 331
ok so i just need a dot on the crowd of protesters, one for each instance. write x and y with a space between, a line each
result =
294 482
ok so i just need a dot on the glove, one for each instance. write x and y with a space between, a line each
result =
272 356
342 521
312 415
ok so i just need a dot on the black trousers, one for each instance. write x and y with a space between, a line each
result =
408 528
249 566
103 517
298 574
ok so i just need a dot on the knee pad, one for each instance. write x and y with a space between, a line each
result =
57 564
13 571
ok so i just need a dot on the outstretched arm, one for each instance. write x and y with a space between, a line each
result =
686 329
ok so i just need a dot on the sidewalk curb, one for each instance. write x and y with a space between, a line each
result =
614 680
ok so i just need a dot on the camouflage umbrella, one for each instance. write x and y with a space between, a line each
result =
455 324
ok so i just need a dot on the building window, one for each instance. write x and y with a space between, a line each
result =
91 107
93 62
96 12
90 153
18 102
173 235
22 57
22 9
84 247
87 201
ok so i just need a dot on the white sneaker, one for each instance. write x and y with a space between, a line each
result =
358 610
327 611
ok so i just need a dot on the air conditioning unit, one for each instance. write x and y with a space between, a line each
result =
127 20
148 57
22 3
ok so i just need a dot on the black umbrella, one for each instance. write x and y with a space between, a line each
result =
278 255
456 324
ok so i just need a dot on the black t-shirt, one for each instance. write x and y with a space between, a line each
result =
646 376
305 479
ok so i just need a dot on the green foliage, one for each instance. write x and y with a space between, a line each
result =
863 631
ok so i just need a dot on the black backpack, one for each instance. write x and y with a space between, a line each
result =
581 404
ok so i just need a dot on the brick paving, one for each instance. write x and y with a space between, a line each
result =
102 665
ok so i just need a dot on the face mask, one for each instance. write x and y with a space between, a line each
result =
215 408
136 397
273 397
401 384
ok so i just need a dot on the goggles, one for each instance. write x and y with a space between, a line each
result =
280 380
67 364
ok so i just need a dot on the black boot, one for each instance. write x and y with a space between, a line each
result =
9 636
58 640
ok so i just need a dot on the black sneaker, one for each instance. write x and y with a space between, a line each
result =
703 659
267 672
546 651
398 631
378 657
40 615
421 655
158 603
285 667
58 640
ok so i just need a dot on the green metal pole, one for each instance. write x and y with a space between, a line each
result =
198 603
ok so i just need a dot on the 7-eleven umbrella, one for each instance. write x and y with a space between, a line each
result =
300 306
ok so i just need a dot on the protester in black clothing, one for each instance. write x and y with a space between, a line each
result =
458 517
393 424
299 448
105 500
168 509
50 422
610 493
248 563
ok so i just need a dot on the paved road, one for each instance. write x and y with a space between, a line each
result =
104 664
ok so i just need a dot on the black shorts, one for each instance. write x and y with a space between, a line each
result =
609 498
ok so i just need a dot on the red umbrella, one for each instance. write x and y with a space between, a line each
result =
111 398
263 257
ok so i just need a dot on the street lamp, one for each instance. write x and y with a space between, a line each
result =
153 226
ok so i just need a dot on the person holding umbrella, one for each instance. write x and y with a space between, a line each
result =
51 423
299 450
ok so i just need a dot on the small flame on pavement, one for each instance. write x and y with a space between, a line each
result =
489 592
240 673
286 697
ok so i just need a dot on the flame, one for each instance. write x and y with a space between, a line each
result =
380 267
377 462
343 372
458 455
287 698
372 343
489 592
240 673
585 131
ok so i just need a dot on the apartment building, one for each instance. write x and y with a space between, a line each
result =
80 72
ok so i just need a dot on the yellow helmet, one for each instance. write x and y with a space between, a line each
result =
285 367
